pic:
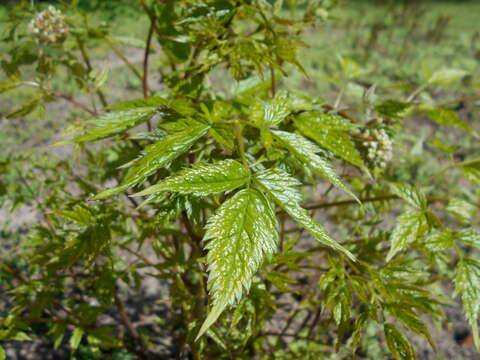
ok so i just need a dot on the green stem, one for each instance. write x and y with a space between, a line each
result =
241 145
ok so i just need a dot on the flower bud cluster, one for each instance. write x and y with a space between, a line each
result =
49 26
378 146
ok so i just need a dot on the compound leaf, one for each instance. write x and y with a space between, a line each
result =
240 236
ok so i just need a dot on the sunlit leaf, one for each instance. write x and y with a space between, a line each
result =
461 209
469 237
204 179
448 117
76 338
398 344
410 194
239 237
157 155
409 227
328 131
467 284
284 190
306 152
113 123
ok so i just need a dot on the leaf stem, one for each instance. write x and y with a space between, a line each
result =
241 145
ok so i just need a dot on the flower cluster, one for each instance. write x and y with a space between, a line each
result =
49 26
378 146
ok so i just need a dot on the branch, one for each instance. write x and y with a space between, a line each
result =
322 204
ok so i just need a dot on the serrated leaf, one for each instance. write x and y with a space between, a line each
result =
240 236
448 117
116 122
158 155
469 237
284 190
411 321
398 344
76 338
153 101
80 215
409 226
306 152
410 194
328 131
467 284
461 209
439 240
272 112
204 179
223 134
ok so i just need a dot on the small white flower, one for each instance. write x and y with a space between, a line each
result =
49 26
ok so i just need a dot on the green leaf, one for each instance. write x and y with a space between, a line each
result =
305 152
129 41
467 283
472 172
223 134
393 109
469 237
439 240
204 179
80 215
328 131
398 344
410 194
446 77
285 191
359 327
76 338
116 122
272 112
8 85
448 118
153 101
3 355
410 226
410 320
25 109
158 155
461 209
240 236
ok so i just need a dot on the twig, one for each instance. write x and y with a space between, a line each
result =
321 205
145 62
274 84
